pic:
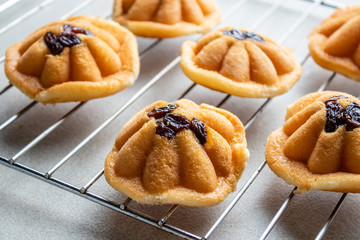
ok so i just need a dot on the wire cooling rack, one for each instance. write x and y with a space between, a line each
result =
11 156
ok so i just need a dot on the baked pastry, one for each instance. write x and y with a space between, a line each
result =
240 63
178 153
318 147
166 18
335 43
75 59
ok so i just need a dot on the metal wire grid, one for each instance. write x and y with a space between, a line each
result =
123 207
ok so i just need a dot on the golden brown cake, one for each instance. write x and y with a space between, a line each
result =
178 153
240 63
335 43
166 18
318 147
76 59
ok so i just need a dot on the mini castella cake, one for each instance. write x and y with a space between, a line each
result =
335 43
76 59
318 147
241 63
178 153
166 18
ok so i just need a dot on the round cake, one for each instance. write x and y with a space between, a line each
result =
318 147
240 63
178 153
335 43
76 59
166 18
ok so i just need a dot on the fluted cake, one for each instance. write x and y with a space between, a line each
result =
241 63
166 18
75 59
318 147
178 153
335 43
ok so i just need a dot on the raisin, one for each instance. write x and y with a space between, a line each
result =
52 42
352 116
164 131
68 27
334 115
254 36
161 111
69 39
173 123
337 116
76 30
176 122
82 31
199 129
243 35
235 33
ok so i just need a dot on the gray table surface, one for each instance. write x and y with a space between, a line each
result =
31 209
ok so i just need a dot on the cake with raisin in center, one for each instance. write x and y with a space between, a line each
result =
241 63
318 147
75 59
178 153
335 43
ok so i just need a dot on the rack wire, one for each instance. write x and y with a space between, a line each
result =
123 207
